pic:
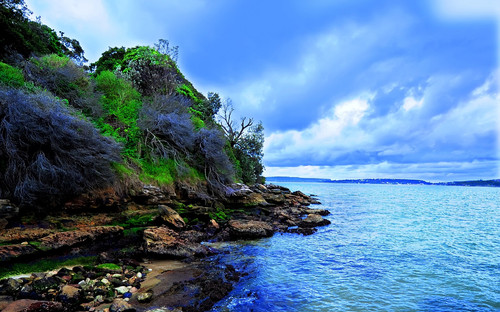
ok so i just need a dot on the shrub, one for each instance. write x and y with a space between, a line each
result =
121 103
11 76
47 153
213 161
65 79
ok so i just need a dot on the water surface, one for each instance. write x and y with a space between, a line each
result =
389 248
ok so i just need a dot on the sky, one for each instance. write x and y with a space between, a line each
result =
345 89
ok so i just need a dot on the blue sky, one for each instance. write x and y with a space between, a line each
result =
344 88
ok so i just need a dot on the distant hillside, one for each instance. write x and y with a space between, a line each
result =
490 183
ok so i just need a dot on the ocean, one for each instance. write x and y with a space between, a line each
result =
389 248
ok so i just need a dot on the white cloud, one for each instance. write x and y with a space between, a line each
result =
411 103
433 172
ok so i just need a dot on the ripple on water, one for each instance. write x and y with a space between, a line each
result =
389 248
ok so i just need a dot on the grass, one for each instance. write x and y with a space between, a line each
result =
109 266
44 265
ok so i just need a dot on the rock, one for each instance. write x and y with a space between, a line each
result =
28 305
10 252
69 294
5 301
121 289
314 220
120 305
171 218
239 189
240 229
10 286
321 212
249 200
145 296
85 235
276 198
214 224
165 242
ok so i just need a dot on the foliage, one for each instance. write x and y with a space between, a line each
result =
11 76
47 153
248 151
22 36
111 60
65 79
121 103
246 142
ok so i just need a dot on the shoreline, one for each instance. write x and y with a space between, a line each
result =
256 212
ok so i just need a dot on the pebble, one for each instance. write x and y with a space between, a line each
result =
121 289
139 275
105 281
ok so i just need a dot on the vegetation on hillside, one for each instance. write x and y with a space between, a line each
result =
66 129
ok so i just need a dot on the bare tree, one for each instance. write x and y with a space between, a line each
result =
232 130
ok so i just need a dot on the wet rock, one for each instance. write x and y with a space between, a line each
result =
28 305
241 229
120 305
167 243
314 220
303 231
145 296
171 218
321 212
69 294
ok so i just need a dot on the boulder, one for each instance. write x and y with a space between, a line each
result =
249 200
171 218
164 242
242 229
276 198
314 220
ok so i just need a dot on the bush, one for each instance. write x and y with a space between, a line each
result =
47 154
213 161
11 76
121 103
65 79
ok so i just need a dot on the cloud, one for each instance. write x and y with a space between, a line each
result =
433 172
413 133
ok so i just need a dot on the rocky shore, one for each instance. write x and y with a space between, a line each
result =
152 223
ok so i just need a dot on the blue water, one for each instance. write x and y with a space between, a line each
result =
389 248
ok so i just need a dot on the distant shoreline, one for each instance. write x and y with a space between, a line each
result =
484 183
